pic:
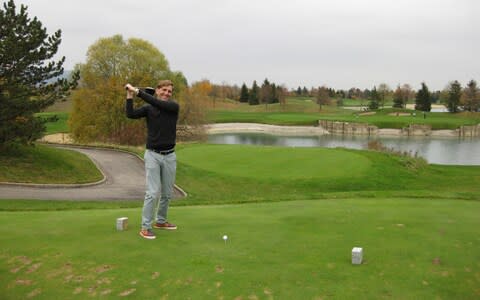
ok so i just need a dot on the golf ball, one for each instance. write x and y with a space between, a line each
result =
225 237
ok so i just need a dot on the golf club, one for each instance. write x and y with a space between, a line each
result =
148 90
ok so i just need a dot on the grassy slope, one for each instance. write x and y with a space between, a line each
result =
58 126
310 173
41 164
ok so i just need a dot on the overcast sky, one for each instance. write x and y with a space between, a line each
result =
337 43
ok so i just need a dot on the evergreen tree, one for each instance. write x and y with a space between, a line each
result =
305 91
298 91
29 80
265 92
471 97
423 100
454 93
274 95
374 99
253 97
244 93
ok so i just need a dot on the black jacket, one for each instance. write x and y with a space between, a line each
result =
161 117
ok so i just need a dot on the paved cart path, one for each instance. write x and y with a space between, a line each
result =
124 180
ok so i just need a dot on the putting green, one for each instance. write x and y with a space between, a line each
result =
273 163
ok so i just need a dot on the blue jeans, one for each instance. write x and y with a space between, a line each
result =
160 178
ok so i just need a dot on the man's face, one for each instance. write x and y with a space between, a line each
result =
164 92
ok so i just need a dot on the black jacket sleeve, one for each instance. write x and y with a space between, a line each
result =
160 104
134 113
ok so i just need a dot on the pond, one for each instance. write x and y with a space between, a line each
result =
446 151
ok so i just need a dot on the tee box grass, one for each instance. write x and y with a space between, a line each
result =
413 249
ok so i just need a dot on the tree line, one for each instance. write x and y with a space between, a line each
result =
455 97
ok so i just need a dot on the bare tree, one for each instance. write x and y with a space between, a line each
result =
323 97
383 91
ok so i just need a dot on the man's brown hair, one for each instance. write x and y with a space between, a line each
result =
163 83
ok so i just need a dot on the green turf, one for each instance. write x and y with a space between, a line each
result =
239 173
420 240
57 122
275 163
42 164
386 118
413 249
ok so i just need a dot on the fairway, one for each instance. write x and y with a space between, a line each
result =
413 249
275 163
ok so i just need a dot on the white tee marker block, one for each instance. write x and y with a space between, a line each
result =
357 255
122 223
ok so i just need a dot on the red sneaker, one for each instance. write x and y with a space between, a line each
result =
166 225
147 234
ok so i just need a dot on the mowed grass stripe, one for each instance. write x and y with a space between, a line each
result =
275 163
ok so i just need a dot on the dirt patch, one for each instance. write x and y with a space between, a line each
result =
399 114
127 292
367 113
23 260
57 138
104 281
34 293
219 269
34 267
106 292
102 269
23 282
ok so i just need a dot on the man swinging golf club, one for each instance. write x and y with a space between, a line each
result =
161 115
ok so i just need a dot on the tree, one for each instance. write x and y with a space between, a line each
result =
253 97
298 91
354 93
423 99
244 93
374 99
471 97
454 93
281 93
402 95
398 98
30 80
323 97
204 89
99 103
305 91
274 94
383 92
265 93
